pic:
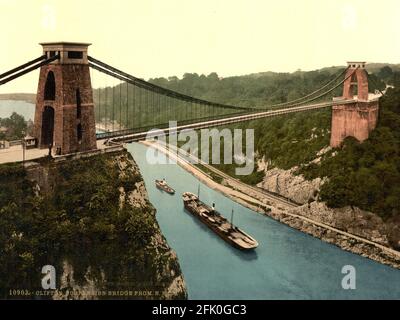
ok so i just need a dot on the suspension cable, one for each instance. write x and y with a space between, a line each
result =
106 106
120 105
314 92
319 96
152 87
185 101
34 67
113 107
23 66
126 107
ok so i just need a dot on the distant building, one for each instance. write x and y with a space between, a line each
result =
30 142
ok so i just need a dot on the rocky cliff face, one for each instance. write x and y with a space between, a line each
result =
92 220
352 220
349 219
294 187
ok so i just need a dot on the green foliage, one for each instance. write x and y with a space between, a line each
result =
81 219
366 175
284 141
252 90
140 227
134 107
16 127
385 73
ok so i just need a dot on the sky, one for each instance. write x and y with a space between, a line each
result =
155 38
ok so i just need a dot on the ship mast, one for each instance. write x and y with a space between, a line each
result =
198 192
232 219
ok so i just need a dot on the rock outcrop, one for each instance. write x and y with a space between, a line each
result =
340 239
352 220
291 186
349 219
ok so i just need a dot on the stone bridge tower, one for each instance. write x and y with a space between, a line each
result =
356 119
64 115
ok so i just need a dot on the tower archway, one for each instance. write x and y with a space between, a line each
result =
356 83
50 87
47 126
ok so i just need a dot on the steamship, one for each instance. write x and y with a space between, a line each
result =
217 223
162 185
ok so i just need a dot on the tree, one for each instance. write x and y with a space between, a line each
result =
16 126
385 73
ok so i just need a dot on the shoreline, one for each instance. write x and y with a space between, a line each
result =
255 200
25 97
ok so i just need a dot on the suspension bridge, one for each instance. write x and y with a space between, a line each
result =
70 115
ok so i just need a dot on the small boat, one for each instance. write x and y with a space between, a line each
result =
162 185
217 223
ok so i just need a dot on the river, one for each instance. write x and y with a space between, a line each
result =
288 264
26 109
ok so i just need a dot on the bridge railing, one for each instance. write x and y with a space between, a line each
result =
113 134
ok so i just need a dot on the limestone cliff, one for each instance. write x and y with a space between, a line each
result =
350 219
92 220
294 187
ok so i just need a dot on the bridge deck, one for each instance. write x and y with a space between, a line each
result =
126 136
15 153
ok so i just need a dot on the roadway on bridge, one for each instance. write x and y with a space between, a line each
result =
15 153
128 136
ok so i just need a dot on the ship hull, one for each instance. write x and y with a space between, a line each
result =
223 235
165 188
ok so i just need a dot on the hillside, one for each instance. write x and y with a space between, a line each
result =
92 220
256 90
365 175
208 87
294 140
27 97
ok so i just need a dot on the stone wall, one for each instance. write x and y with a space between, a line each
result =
68 79
353 120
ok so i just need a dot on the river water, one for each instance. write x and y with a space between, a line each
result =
26 109
288 264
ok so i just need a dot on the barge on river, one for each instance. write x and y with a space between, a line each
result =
217 223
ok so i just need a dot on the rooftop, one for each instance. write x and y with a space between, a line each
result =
356 64
64 43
